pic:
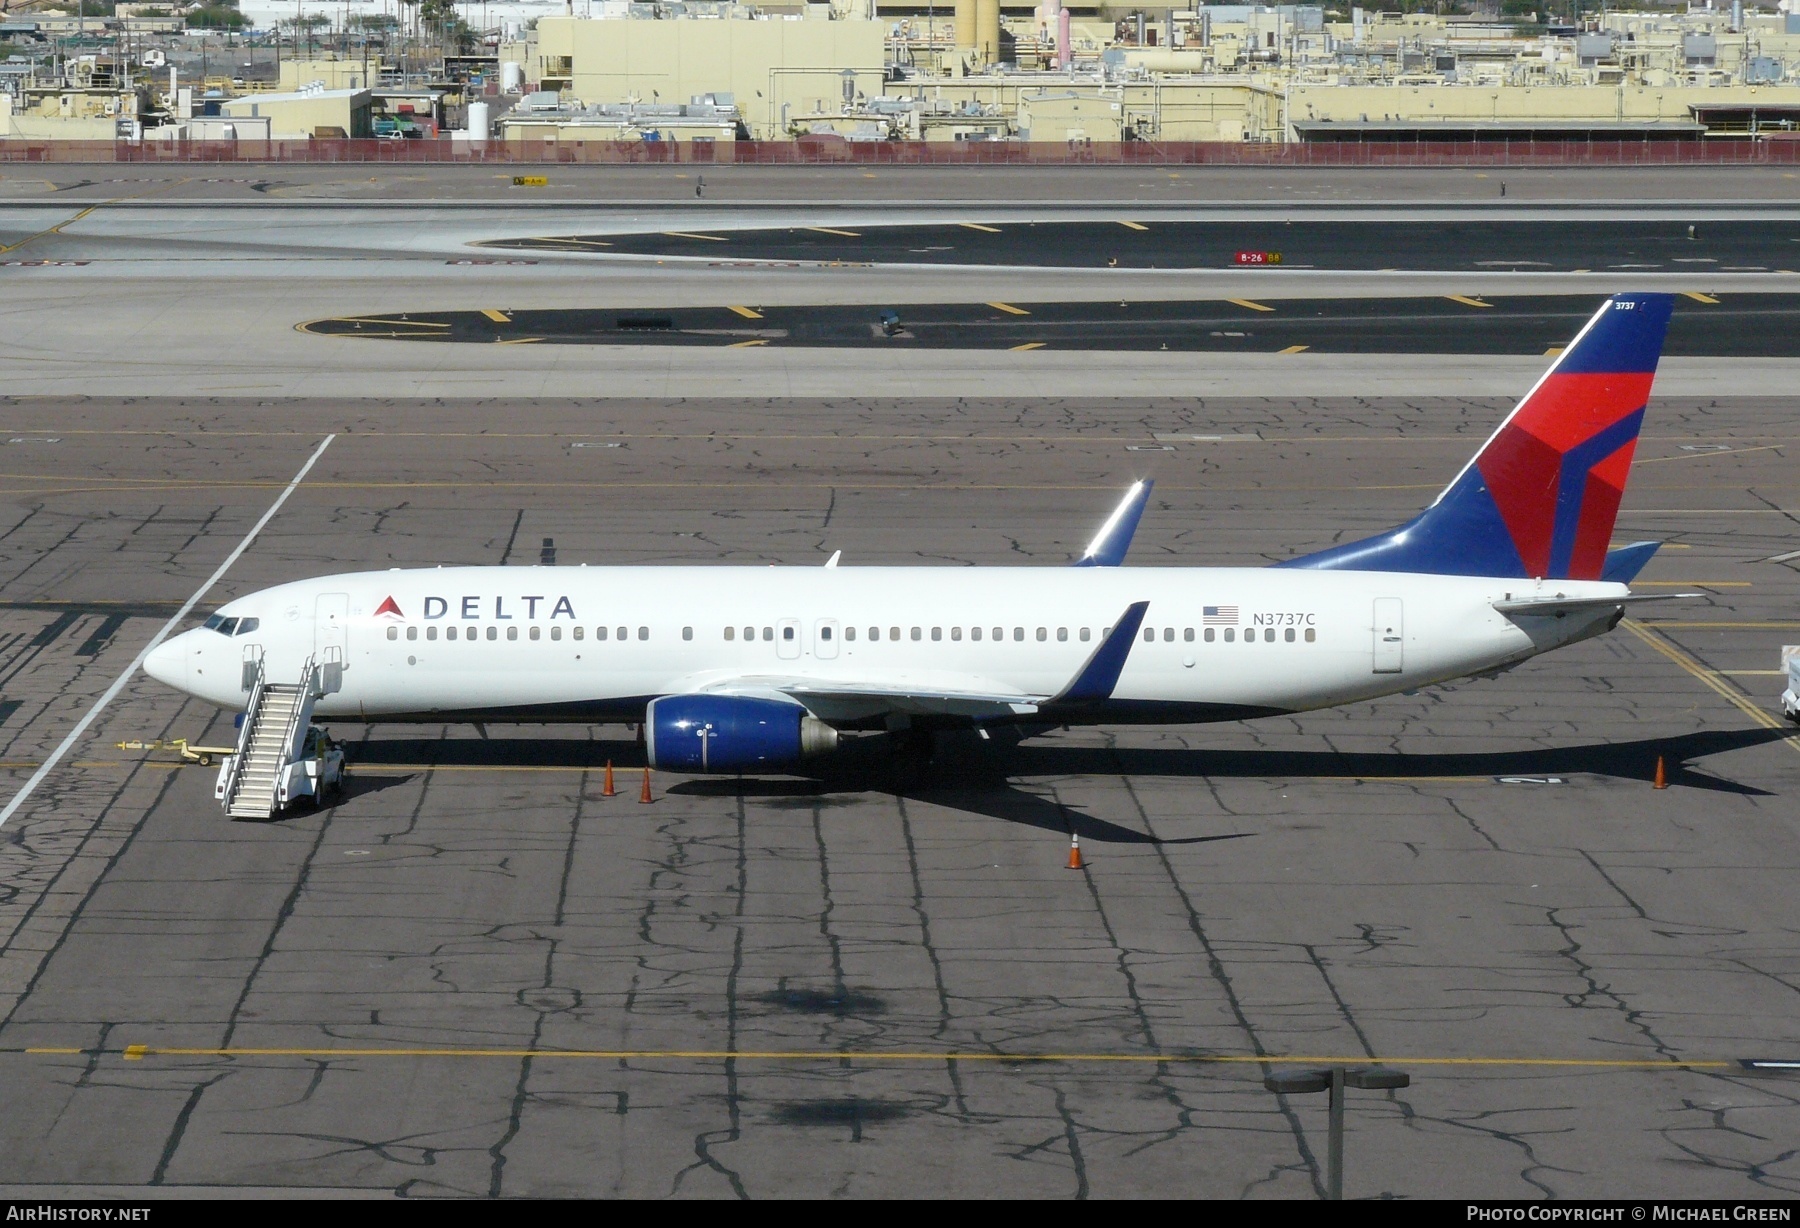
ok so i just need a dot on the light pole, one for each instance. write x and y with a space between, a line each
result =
1334 1080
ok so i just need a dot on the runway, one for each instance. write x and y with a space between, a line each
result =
477 975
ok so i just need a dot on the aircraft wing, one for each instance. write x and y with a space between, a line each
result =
939 692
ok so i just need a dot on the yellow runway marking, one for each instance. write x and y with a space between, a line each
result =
1030 345
1657 460
682 234
519 341
374 320
1553 351
1251 304
1698 297
993 230
1133 226
826 230
1690 624
1466 301
744 345
1710 678
1754 673
1009 309
138 1052
1293 349
498 317
746 312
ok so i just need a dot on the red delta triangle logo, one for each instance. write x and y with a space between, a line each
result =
388 607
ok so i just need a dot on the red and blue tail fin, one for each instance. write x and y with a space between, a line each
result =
1539 499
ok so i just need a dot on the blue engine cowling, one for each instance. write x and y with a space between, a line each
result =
729 733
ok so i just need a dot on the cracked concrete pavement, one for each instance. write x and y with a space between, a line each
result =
476 975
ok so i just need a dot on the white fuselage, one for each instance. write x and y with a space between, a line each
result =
596 643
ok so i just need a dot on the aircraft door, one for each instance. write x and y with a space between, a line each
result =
1390 635
787 639
825 639
331 638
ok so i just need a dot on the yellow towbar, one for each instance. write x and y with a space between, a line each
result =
202 755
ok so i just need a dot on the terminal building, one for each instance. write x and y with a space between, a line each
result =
713 71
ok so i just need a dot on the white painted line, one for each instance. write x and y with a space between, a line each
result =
112 692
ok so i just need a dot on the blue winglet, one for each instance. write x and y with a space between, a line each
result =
1622 565
1114 539
1100 675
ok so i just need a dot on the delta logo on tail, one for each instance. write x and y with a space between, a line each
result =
1540 498
389 606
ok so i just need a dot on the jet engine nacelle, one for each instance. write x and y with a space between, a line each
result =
727 733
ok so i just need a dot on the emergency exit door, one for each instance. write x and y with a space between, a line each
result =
1390 636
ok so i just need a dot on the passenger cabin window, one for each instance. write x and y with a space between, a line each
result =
512 633
1018 633
493 633
850 633
643 633
915 633
1208 635
1149 635
576 631
1288 635
1311 635
536 632
687 633
975 633
730 633
431 633
1188 635
623 633
1268 635
893 633
1230 634
787 635
556 633
1043 634
937 634
825 633
768 633
393 633
955 634
1084 635
1168 635
1062 635
450 632
999 633
412 633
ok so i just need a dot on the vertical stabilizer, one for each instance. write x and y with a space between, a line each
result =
1540 497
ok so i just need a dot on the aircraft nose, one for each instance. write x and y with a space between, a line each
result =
168 663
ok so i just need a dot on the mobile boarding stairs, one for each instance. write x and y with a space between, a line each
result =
281 755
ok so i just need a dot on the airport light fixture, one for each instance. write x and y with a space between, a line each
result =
1335 1080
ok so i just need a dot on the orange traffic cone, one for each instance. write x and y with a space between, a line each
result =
606 788
1662 777
1074 851
644 798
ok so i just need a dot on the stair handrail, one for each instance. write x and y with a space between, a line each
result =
302 711
234 765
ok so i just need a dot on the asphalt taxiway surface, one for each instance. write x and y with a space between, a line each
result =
1756 325
476 975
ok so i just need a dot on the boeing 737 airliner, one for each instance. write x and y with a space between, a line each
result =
747 669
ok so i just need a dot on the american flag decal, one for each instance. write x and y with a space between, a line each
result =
1218 616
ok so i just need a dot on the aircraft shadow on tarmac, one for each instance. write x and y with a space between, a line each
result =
979 777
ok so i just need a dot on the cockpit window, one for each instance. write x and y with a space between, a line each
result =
247 625
213 623
224 626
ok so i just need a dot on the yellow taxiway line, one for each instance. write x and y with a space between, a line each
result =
1250 304
746 312
137 1053
1710 678
1009 309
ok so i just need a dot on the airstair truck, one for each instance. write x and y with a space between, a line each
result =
281 756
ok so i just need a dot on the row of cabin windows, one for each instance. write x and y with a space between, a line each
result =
1083 634
532 633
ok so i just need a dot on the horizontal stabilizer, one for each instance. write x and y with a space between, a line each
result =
1114 539
1622 565
1583 605
1100 675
